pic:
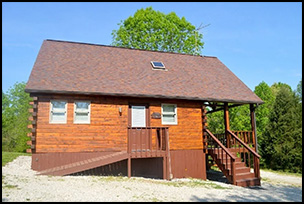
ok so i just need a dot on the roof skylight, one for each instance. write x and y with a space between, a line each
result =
158 65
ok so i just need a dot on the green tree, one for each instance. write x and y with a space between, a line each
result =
239 119
216 122
275 87
15 106
282 142
299 91
264 92
153 30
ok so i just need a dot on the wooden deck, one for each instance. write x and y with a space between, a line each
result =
147 154
150 142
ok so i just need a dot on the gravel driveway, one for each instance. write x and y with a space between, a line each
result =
20 183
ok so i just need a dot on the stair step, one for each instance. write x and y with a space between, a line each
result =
220 152
238 170
249 182
224 159
241 170
245 175
237 165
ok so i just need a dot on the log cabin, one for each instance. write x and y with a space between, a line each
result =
105 110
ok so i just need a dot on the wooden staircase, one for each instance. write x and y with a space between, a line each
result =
235 162
243 176
85 164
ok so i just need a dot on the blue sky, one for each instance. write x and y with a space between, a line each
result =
256 41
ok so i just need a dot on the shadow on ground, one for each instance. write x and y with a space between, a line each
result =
218 176
264 193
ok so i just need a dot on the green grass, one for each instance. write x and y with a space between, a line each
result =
283 172
10 156
192 182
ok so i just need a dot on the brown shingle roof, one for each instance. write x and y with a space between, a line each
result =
69 67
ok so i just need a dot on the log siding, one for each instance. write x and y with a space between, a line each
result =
108 128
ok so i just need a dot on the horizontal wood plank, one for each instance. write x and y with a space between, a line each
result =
107 128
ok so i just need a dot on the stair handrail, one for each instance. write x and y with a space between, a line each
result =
221 145
256 161
244 144
232 157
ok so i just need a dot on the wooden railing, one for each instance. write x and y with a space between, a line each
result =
148 141
224 155
221 137
245 152
245 136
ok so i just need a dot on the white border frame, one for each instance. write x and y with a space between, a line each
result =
66 112
84 122
175 116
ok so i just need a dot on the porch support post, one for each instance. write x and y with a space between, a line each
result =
253 127
226 121
129 166
165 168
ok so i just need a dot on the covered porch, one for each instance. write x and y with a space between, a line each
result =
233 151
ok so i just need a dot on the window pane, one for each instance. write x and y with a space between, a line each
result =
82 106
58 104
158 64
82 117
168 118
169 108
58 117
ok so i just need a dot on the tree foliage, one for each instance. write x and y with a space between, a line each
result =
153 30
275 88
262 112
299 91
15 106
239 119
282 142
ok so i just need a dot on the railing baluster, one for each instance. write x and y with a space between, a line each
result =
249 159
255 155
140 141
158 139
162 140
219 149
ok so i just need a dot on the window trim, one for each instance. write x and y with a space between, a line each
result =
89 115
65 111
164 113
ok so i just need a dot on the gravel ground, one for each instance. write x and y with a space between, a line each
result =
20 183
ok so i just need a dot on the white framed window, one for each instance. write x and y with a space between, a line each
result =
169 114
82 112
58 112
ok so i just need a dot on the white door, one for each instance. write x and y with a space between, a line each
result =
138 116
